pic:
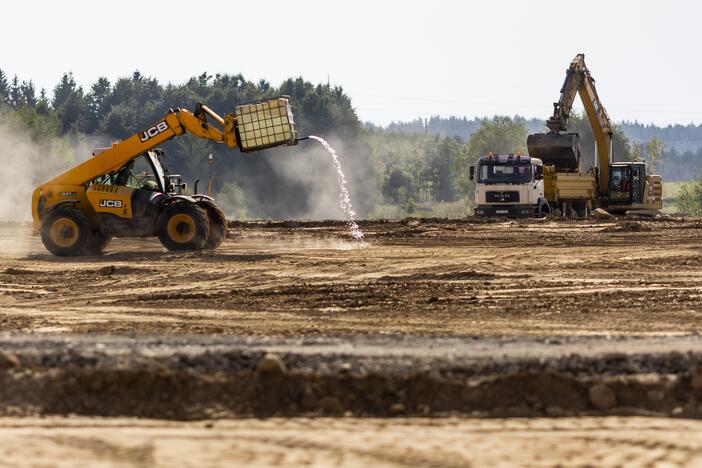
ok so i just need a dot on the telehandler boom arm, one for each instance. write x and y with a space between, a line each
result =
176 122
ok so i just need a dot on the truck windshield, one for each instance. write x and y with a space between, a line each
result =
504 173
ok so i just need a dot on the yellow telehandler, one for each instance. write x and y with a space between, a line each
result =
124 191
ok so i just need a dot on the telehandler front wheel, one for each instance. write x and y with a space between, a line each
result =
183 226
66 232
218 224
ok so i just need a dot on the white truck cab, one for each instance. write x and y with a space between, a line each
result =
509 185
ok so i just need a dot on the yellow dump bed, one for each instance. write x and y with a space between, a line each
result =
565 186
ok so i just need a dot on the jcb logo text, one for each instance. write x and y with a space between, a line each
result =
153 131
110 203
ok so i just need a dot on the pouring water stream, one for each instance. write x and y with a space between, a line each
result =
344 197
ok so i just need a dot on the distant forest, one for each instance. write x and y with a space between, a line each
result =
415 168
682 144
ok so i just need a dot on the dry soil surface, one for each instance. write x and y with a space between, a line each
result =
452 442
418 277
455 280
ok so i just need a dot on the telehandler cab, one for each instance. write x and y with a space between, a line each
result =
124 191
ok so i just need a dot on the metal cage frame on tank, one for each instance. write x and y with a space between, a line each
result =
277 130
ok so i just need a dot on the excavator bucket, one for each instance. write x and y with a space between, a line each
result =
265 124
559 150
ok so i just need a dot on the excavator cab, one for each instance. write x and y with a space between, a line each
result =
627 183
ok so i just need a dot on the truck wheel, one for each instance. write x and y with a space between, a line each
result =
218 224
544 210
66 232
581 210
183 226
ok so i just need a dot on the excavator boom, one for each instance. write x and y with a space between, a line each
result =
601 127
571 85
561 149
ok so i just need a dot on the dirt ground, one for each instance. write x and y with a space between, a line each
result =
452 442
547 281
415 277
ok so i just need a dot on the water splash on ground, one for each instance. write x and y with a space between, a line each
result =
344 197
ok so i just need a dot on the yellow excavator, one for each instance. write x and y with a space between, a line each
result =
125 191
621 186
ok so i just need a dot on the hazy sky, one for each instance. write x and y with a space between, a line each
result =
398 60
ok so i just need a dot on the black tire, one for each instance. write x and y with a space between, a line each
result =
183 226
218 224
66 232
586 212
544 210
581 211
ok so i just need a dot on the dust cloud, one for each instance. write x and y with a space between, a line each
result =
310 170
28 159
300 242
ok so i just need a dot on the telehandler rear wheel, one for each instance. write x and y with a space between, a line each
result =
218 224
66 232
183 226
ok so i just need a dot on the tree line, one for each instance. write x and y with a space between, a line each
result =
388 168
679 158
404 169
110 111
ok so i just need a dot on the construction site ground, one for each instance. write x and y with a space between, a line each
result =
392 351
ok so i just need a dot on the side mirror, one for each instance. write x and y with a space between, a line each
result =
538 172
471 175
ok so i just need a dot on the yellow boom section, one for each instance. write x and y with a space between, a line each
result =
175 123
579 81
599 122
